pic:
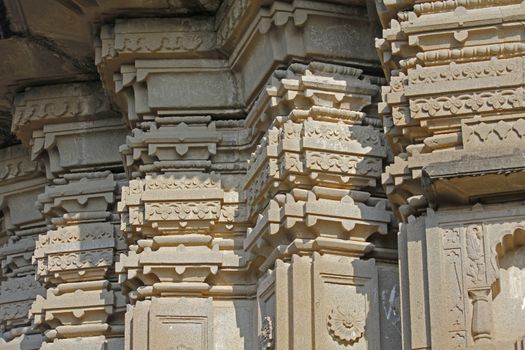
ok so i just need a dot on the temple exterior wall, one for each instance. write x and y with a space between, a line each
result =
260 174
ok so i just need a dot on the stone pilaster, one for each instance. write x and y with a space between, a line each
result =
188 277
21 181
311 187
453 113
73 133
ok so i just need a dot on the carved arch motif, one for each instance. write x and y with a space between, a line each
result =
509 242
505 245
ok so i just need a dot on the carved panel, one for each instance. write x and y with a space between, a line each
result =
475 262
181 324
37 106
182 211
469 103
466 300
455 287
346 303
502 134
455 72
267 321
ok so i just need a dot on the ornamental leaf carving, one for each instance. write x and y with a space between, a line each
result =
467 103
366 136
475 255
502 130
183 211
461 72
79 260
343 163
230 18
15 310
75 234
447 5
17 167
22 284
173 183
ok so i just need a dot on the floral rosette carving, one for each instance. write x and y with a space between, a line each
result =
345 325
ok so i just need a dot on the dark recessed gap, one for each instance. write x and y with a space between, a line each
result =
5 30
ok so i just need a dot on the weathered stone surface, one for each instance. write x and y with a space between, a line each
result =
453 116
75 136
21 223
233 174
205 185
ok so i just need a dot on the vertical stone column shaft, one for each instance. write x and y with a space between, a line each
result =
453 114
253 167
21 181
73 133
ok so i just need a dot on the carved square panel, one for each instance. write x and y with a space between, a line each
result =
181 324
345 296
180 333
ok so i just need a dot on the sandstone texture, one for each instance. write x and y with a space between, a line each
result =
262 174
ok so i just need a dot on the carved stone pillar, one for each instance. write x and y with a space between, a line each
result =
188 278
71 130
21 181
453 114
242 173
311 188
481 315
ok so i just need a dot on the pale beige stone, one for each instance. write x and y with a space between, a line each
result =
239 174
74 135
453 116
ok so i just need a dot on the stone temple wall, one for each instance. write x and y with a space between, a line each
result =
262 174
